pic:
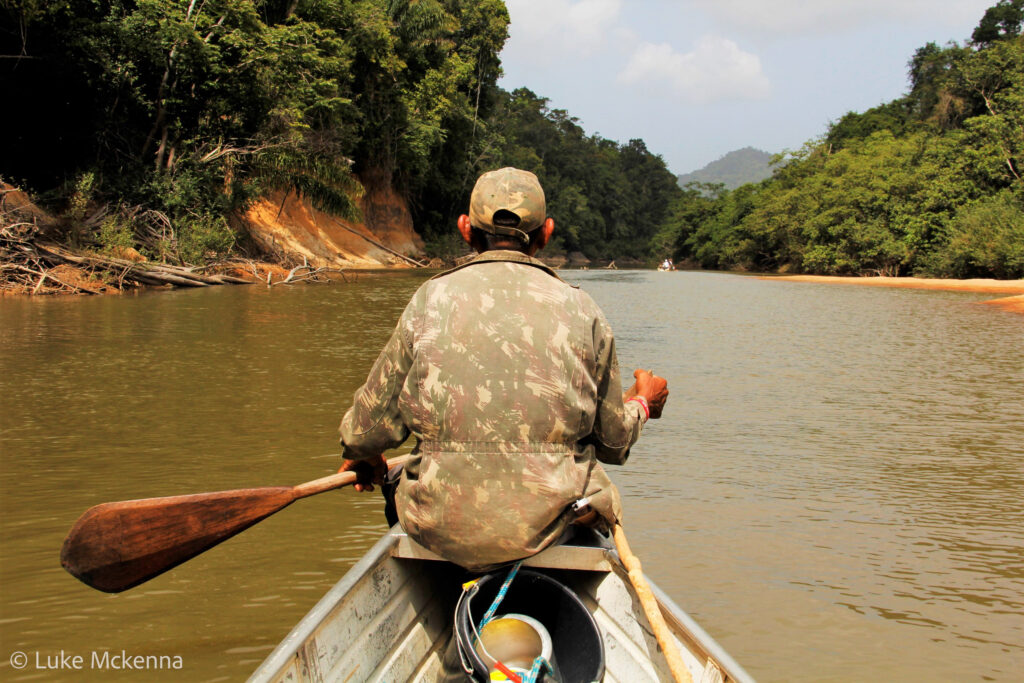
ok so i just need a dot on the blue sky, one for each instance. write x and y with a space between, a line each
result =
698 78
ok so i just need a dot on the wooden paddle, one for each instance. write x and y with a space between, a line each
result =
115 546
650 604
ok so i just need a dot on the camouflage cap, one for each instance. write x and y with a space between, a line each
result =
512 190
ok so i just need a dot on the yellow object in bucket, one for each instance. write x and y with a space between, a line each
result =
515 640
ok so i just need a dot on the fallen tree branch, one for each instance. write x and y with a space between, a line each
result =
311 276
49 274
148 273
377 244
42 279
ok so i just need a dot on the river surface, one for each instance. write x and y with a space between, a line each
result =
835 490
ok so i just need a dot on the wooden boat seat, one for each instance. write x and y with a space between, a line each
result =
581 551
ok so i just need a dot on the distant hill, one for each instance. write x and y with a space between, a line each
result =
747 165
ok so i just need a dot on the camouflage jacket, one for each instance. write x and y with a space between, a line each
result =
508 379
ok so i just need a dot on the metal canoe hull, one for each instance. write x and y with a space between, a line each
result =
390 618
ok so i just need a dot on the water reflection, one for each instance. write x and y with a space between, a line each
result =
833 492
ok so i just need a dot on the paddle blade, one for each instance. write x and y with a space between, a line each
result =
115 546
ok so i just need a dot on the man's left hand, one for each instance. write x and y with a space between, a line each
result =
369 471
653 388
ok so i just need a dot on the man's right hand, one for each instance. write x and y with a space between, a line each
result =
653 388
368 472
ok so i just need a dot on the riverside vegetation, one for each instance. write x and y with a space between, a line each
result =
175 116
928 184
153 122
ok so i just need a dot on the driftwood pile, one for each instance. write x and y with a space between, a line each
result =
305 273
31 262
143 273
30 265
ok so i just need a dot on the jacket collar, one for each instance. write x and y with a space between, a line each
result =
504 256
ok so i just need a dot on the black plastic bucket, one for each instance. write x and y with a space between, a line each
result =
577 649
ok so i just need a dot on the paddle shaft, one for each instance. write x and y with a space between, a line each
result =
651 608
115 546
338 480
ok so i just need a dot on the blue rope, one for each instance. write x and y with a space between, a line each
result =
489 614
539 662
535 670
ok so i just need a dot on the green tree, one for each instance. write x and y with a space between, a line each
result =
986 240
994 79
1002 21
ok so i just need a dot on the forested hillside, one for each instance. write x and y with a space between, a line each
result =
927 184
738 167
173 114
608 199
149 123
191 109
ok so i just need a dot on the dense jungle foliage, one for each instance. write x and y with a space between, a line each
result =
173 114
181 111
928 184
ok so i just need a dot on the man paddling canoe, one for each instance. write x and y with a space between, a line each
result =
508 379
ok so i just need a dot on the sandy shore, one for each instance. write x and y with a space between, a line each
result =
1015 288
1009 303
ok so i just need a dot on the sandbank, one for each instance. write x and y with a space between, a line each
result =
1014 288
1009 303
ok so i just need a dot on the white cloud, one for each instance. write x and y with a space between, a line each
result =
717 69
831 16
580 27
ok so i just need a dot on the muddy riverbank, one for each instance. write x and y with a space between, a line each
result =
279 240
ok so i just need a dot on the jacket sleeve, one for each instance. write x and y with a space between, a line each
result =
374 422
617 425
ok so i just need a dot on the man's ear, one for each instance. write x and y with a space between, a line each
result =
543 236
546 230
465 229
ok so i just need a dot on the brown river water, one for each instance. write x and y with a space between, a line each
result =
835 490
